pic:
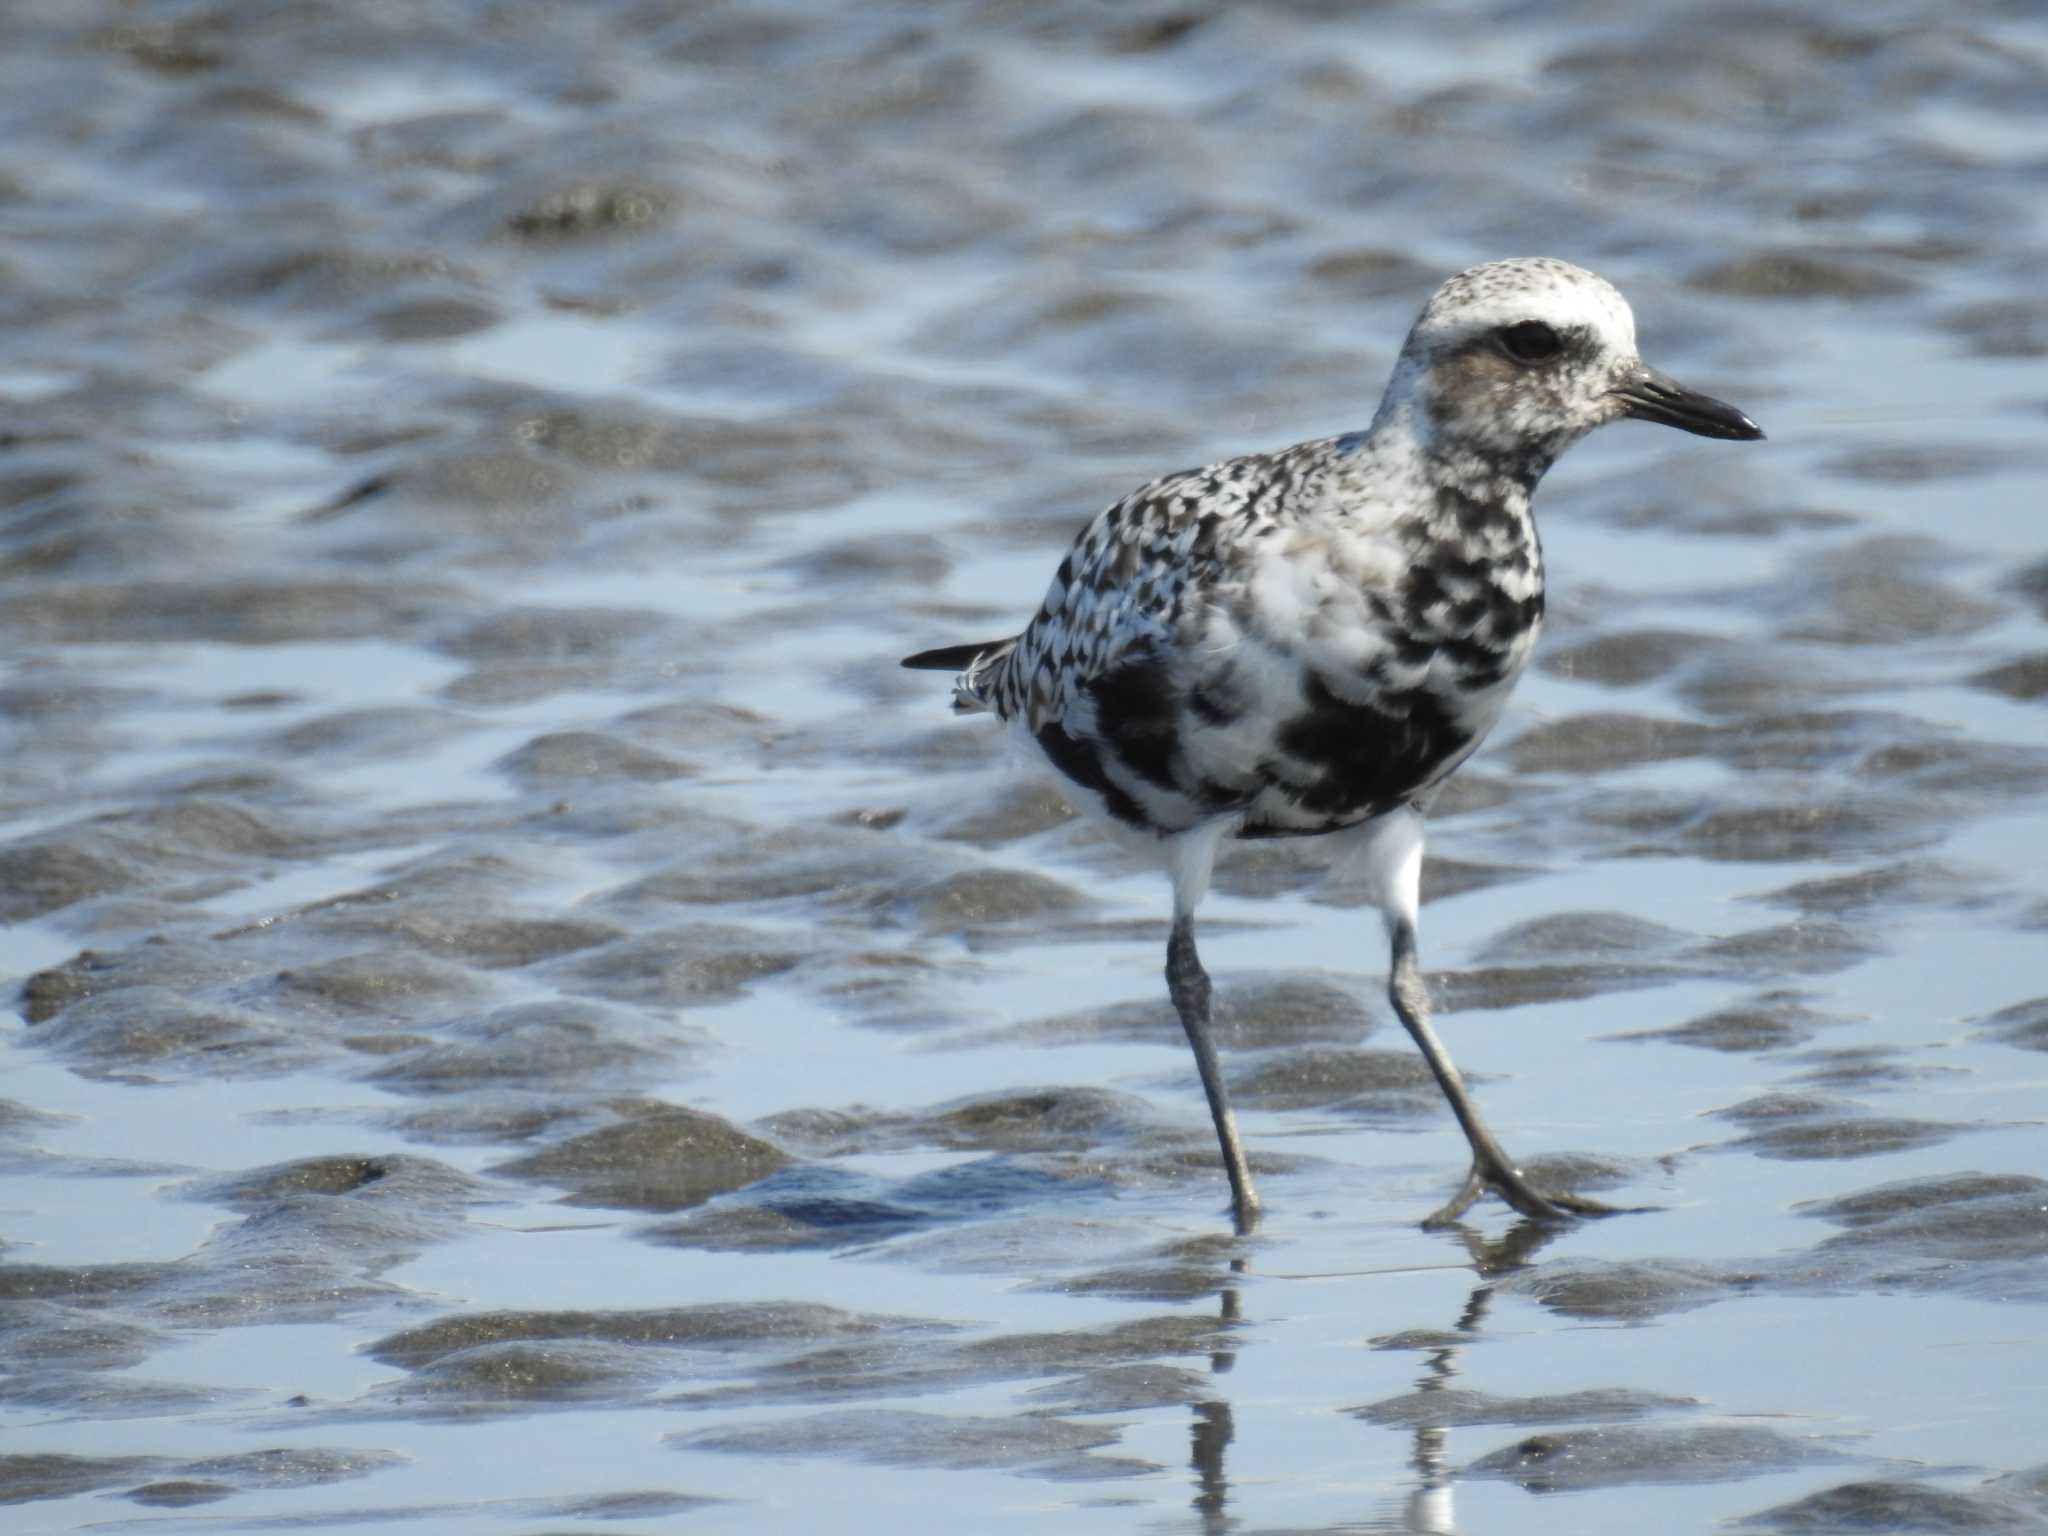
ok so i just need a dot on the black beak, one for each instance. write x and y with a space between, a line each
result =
1652 396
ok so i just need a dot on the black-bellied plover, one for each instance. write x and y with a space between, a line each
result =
1310 641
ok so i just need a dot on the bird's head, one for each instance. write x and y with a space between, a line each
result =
1521 358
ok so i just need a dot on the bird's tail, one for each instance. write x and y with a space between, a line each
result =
975 665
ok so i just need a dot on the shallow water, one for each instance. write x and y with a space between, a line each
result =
528 1020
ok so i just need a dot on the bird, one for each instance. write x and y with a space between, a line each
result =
1309 642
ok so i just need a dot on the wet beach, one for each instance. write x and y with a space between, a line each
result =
524 1019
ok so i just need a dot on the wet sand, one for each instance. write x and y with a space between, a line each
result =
527 1020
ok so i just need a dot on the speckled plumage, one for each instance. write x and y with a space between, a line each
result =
1300 640
1310 641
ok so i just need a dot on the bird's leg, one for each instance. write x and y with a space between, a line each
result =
1491 1166
1188 984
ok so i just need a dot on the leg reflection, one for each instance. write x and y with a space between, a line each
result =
1212 1435
1428 1509
1214 1428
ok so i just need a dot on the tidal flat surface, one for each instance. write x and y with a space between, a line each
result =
525 1020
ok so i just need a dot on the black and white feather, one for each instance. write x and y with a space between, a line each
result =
1311 640
1307 639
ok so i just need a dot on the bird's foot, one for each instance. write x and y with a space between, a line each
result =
1508 1182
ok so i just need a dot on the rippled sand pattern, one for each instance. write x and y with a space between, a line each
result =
527 1020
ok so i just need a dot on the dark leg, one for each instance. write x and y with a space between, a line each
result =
1491 1167
1188 984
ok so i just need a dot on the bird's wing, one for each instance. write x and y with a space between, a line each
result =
953 658
1127 587
974 664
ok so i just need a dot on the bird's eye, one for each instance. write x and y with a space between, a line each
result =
1530 342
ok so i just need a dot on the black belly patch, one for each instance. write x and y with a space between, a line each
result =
1136 717
1081 761
1355 761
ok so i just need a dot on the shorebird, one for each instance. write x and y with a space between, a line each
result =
1309 642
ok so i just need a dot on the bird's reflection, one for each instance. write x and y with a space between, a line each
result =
1428 1507
1214 1428
1212 1434
1427 1510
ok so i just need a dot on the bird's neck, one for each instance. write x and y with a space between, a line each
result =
1406 444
